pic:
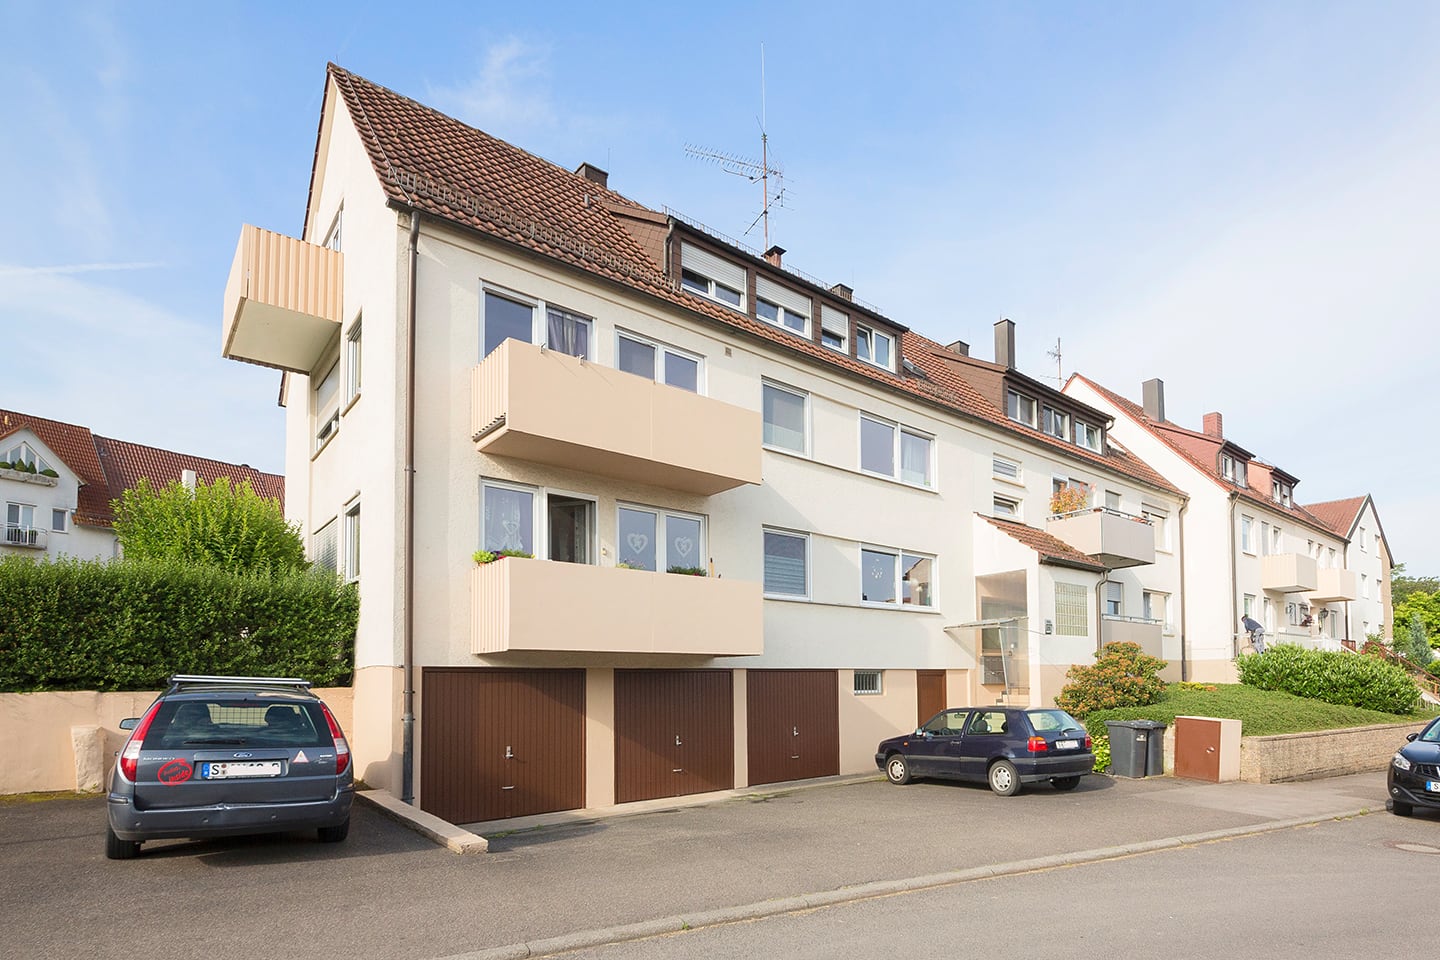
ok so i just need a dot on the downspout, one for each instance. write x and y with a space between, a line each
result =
407 718
1234 584
1100 611
1184 592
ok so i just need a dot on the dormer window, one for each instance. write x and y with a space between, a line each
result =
1056 423
834 329
1232 469
1020 408
709 276
23 453
1087 436
1280 492
875 347
782 307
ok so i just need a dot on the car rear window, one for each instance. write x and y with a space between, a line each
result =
236 721
1052 721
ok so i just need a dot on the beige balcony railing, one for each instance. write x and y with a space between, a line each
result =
1147 633
1114 539
1288 573
1334 584
283 301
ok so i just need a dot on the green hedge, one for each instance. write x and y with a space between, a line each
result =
1340 678
88 625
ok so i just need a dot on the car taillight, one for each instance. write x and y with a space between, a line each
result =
1037 745
342 749
130 756
1088 742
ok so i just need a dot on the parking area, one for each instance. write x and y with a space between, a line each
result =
392 894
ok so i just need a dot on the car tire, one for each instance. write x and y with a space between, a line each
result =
897 769
117 849
1065 783
336 833
1004 778
1400 809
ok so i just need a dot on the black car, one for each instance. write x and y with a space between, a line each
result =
1414 777
220 756
1002 746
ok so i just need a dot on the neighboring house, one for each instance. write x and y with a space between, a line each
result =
1367 553
62 508
482 350
1250 549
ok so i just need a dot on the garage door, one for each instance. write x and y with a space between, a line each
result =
930 689
674 733
794 724
501 743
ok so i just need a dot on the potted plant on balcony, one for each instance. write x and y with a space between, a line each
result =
483 557
1068 500
689 571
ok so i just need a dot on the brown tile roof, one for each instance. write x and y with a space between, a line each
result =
1338 515
1051 549
1200 450
106 467
444 168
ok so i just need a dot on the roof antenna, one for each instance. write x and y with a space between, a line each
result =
1055 355
745 167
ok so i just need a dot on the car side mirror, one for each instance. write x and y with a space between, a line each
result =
129 723
1412 736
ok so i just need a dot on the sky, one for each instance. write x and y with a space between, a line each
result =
1241 198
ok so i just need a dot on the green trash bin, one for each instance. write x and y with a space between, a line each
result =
1137 748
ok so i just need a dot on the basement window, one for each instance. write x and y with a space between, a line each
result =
868 682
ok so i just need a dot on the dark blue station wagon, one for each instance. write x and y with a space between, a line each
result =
1002 746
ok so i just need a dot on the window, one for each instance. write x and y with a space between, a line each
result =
1007 507
1055 422
782 306
507 518
1247 534
875 347
890 576
1113 500
1277 540
352 363
1004 469
1058 484
1268 606
834 329
505 319
1087 436
867 682
1264 539
332 236
640 547
655 361
327 406
22 452
1114 598
1160 523
786 564
1249 606
1364 586
917 580
709 276
570 523
1332 557
1070 619
323 548
1280 492
352 543
882 444
509 316
1157 607
1020 408
785 415
1232 469
1361 539
59 520
20 523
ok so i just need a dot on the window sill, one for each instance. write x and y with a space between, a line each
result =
895 480
349 404
328 440
892 607
1011 481
787 451
850 470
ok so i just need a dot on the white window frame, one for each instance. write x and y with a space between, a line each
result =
835 323
1364 587
1248 607
999 472
661 349
28 456
703 283
1114 594
1117 498
897 434
1019 399
352 542
1280 492
334 236
866 688
1247 534
786 303
537 517
1277 540
804 398
1055 422
872 336
592 546
353 360
19 523
539 317
662 542
327 419
1149 600
1159 522
64 516
334 534
899 555
1361 538
795 535
1012 509
1090 432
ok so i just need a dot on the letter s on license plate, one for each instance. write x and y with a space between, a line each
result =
231 771
1433 786
1066 744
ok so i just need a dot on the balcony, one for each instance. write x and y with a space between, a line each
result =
14 535
283 301
547 407
1287 573
520 605
1116 540
1132 630
1333 585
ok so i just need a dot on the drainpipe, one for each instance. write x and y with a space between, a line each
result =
1234 583
1184 592
407 719
1100 610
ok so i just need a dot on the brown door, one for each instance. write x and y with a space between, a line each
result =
794 724
674 733
1197 748
501 743
930 685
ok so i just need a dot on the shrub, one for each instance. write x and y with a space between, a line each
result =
5 465
1123 676
214 523
486 556
1101 748
48 472
689 571
1068 500
1339 678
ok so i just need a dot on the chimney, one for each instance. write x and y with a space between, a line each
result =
1214 426
188 479
773 255
1154 391
594 174
1005 344
960 347
843 292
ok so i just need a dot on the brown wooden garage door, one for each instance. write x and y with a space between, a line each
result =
674 733
794 724
501 743
930 689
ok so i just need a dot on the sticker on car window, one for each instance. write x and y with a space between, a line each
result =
176 771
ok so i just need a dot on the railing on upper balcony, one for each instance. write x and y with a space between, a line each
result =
18 535
1083 511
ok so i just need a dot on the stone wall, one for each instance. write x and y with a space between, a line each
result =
1321 753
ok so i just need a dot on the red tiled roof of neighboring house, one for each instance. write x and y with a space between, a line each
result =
442 167
1338 515
1050 548
1200 450
106 467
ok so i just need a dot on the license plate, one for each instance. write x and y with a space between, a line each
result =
1066 744
248 768
1433 786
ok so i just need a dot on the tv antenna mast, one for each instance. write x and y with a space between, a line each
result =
1055 355
746 167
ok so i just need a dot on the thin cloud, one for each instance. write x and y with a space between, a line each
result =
15 270
510 90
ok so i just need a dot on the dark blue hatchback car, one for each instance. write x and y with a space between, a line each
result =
1414 777
1003 746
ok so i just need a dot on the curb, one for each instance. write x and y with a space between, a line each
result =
605 936
426 824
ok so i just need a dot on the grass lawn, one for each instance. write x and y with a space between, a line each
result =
1261 712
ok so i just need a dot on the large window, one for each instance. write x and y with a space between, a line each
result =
785 416
1157 608
1160 523
1247 534
875 347
507 518
513 317
883 445
20 523
505 319
653 539
571 528
352 543
1020 408
787 561
895 576
1070 618
656 361
327 405
22 452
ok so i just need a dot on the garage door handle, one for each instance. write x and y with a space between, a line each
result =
509 754
796 732
511 787
677 741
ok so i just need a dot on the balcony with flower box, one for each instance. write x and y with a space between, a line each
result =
1114 539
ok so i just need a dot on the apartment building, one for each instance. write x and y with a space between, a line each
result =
1250 548
58 480
1367 553
766 524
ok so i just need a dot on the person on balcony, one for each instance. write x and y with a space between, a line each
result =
1256 632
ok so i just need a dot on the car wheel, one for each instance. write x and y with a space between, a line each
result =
117 849
1066 783
897 770
336 833
1400 809
1004 778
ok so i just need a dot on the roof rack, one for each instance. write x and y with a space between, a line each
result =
181 680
